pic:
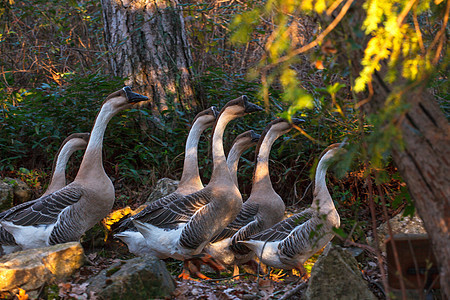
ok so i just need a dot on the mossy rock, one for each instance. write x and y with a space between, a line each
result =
138 278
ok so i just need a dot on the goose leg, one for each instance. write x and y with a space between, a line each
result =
210 261
186 274
194 269
302 271
235 272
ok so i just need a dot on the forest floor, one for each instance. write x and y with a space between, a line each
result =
279 285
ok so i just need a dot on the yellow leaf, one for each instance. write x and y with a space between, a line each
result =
22 295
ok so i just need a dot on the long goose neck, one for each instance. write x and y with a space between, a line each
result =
261 176
92 163
322 198
58 179
191 176
233 162
220 168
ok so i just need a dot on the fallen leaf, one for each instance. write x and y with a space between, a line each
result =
22 295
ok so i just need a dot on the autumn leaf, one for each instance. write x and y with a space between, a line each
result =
22 295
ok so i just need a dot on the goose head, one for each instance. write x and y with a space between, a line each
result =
246 140
283 126
240 107
122 99
78 141
207 117
332 153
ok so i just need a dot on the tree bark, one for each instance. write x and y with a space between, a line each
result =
147 45
423 154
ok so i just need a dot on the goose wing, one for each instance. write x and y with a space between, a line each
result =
10 212
252 228
44 210
282 229
179 210
146 214
304 237
246 215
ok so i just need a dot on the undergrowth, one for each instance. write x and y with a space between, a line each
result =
55 87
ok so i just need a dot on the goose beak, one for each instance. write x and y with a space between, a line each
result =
255 136
215 111
297 121
133 97
250 107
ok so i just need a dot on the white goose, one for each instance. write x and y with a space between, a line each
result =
180 229
263 209
74 142
66 214
190 181
289 243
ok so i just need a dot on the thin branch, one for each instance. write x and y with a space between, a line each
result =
394 247
418 33
405 12
321 36
375 233
307 135
333 7
290 293
440 36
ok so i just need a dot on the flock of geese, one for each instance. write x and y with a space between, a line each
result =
210 223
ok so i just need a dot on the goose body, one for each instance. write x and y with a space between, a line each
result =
74 142
263 209
289 243
67 213
190 182
182 227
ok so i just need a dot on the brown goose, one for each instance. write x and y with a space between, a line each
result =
190 181
263 209
74 142
66 214
181 228
241 143
289 243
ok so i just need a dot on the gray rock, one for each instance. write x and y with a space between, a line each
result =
22 192
336 275
138 278
399 225
31 269
6 195
163 187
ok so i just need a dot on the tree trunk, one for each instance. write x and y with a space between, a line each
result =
423 155
148 46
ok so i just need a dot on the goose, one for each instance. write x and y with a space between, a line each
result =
180 229
263 209
74 142
190 181
240 144
289 243
67 213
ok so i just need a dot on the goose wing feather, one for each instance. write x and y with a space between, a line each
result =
303 238
146 214
282 229
250 229
44 210
246 215
178 210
